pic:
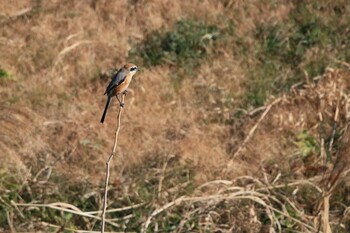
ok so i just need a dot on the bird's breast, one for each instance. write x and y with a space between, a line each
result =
124 85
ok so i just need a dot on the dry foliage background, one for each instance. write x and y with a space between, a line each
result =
236 123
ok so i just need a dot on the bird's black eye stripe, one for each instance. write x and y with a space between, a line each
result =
133 68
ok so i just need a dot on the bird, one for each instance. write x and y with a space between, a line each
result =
119 85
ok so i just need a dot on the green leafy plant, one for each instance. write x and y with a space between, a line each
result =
186 43
4 75
307 144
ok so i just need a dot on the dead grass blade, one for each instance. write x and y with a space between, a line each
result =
66 208
60 228
117 209
235 193
251 132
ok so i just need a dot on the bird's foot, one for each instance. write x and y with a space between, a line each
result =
122 105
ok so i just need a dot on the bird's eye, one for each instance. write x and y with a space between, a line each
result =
133 68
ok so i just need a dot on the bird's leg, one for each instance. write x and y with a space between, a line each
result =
124 92
121 104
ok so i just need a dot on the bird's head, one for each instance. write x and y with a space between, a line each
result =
131 68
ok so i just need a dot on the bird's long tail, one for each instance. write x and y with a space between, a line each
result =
106 109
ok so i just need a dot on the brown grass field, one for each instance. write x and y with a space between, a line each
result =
237 121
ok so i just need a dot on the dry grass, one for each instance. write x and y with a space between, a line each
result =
176 140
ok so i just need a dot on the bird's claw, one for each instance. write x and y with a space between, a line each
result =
122 105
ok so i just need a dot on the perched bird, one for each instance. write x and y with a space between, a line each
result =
119 85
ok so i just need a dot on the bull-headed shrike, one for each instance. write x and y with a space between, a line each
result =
119 85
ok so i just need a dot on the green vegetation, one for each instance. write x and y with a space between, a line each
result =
13 190
144 189
9 192
304 44
4 75
184 45
307 144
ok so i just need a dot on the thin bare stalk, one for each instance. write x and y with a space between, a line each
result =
107 167
326 225
251 132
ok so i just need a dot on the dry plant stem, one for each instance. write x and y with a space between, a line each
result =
239 195
162 176
10 221
251 132
326 225
107 167
66 208
333 131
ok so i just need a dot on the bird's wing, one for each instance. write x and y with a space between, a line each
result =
118 78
